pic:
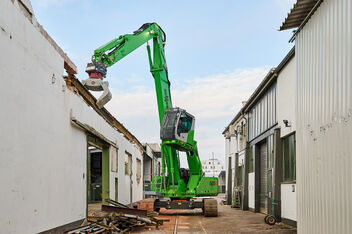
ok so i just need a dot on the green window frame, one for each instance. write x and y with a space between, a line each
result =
289 158
251 160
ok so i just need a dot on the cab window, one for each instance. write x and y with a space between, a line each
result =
184 124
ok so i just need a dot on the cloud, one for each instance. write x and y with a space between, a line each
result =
214 100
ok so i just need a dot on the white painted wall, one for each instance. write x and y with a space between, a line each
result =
288 201
227 155
124 180
241 156
286 97
43 157
235 144
251 190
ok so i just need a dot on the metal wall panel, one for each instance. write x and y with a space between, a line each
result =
262 116
324 120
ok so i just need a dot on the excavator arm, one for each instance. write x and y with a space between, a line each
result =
115 50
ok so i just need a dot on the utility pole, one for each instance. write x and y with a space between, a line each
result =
213 165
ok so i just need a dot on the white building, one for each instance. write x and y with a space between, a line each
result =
323 114
151 166
55 144
259 146
235 150
212 167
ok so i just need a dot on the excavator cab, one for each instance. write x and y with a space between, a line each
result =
176 124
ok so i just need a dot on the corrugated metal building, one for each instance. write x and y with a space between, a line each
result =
260 132
324 114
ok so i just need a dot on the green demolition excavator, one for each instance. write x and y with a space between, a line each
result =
178 187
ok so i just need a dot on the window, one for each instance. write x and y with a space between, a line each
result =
251 161
289 158
116 189
139 169
270 151
114 160
128 164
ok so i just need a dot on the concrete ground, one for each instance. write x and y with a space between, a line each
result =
229 221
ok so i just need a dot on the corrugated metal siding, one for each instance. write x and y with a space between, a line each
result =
324 118
263 115
263 178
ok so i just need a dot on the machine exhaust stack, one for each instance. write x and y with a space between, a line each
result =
97 72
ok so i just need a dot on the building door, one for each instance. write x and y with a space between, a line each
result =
95 185
263 182
116 189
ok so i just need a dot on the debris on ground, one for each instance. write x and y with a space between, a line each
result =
117 219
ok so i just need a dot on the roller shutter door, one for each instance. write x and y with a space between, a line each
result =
263 178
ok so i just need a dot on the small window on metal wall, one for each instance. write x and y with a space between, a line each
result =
270 151
289 158
114 158
251 160
270 162
139 169
128 164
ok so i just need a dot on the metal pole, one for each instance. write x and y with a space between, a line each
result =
213 166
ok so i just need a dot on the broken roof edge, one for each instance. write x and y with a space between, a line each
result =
273 73
27 10
299 15
69 66
71 80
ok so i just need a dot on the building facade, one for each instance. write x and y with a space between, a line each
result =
260 147
323 103
151 166
59 151
212 167
235 150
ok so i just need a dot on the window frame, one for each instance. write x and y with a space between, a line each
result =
138 169
128 165
114 159
289 160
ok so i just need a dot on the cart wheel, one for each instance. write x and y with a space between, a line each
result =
271 220
266 219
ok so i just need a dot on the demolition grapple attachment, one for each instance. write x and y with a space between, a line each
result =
97 72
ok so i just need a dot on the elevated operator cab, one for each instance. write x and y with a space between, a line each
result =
176 124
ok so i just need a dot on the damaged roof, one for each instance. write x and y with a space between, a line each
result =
73 83
300 13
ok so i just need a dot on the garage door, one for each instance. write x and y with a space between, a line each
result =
263 179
